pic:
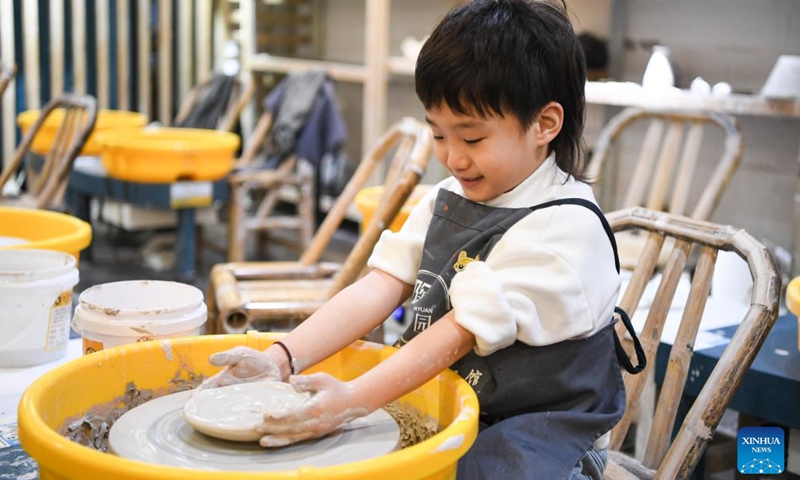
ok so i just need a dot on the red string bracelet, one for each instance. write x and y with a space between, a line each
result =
286 349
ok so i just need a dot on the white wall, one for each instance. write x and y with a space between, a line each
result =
736 41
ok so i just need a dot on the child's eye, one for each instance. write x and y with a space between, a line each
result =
438 137
474 141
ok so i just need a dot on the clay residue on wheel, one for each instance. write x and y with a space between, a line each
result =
92 427
415 426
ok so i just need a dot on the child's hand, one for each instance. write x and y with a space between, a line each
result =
332 404
242 364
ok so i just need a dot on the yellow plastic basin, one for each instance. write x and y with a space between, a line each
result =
166 155
69 391
793 302
107 120
44 229
367 202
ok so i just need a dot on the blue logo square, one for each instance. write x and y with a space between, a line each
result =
760 450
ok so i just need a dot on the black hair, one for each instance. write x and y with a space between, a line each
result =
514 57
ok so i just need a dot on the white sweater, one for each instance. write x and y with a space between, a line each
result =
550 278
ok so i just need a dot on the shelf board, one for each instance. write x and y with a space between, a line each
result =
346 72
401 65
624 94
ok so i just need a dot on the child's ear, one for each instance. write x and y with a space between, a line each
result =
549 122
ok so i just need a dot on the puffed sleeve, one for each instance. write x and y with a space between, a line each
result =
399 253
543 282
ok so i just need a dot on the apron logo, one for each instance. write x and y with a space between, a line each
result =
463 261
760 450
421 322
420 289
474 377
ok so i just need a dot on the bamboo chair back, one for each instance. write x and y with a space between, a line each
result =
46 185
676 459
281 293
665 175
242 91
665 168
270 182
7 73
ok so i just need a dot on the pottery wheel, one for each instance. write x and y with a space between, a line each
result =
156 432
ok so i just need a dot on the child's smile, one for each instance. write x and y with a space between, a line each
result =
488 156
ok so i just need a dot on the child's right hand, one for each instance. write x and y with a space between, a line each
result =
242 365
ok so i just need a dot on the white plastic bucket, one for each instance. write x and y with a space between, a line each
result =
6 241
35 305
119 313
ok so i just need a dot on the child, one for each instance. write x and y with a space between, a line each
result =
508 262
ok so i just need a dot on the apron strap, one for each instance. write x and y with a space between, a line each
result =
591 206
622 356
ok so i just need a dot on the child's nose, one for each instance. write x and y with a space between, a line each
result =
457 158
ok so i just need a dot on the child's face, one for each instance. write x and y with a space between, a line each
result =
488 156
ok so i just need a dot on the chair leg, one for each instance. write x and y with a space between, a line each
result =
644 415
212 322
306 213
237 233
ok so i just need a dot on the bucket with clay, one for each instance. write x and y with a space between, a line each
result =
119 313
35 305
69 414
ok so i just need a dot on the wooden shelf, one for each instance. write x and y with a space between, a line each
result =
372 74
624 94
401 65
345 72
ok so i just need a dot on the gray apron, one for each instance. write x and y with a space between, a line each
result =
541 407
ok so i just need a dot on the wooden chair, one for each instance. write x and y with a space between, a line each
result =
7 73
48 181
225 116
665 457
280 294
268 183
665 176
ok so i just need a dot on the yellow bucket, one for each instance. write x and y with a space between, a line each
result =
69 391
367 202
44 230
107 120
166 155
793 302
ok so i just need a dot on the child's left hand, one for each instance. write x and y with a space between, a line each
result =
331 405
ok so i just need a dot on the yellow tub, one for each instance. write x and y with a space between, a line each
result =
107 120
166 155
44 229
793 302
367 202
70 390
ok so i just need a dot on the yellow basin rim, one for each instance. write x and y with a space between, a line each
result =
105 119
170 139
793 296
78 238
58 455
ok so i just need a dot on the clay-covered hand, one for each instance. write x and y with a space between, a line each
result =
332 404
242 364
